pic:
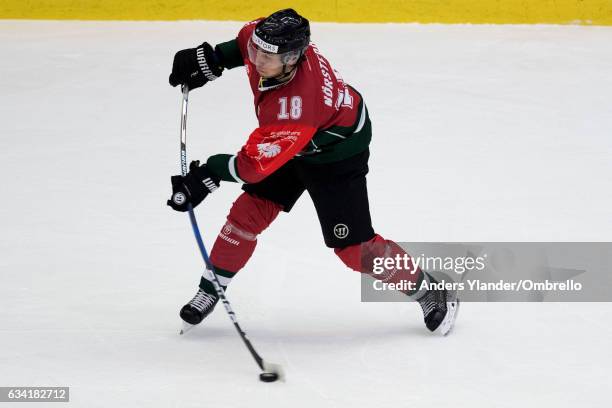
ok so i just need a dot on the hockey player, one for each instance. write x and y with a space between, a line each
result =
313 135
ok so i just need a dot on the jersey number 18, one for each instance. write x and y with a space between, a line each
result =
295 111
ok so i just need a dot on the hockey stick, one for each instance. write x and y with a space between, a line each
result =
271 372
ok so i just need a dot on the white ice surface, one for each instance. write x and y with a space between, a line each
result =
480 133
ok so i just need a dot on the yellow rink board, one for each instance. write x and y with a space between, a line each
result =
596 12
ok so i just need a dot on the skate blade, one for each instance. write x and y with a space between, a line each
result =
274 368
449 320
186 327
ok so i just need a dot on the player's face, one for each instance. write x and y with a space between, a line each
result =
267 64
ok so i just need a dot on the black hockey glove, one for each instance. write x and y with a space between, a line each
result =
192 188
195 66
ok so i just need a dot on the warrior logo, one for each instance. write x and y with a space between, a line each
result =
341 231
227 229
179 198
268 150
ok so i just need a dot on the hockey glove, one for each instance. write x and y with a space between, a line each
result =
195 66
192 188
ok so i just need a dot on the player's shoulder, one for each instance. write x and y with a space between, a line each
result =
245 33
248 28
320 71
322 77
310 76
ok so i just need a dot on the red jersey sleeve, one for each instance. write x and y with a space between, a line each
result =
268 148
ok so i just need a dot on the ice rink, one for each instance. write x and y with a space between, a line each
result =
481 133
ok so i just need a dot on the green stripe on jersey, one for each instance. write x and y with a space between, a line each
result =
230 51
219 165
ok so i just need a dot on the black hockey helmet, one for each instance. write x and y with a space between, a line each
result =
282 32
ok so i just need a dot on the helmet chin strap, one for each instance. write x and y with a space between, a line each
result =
274 82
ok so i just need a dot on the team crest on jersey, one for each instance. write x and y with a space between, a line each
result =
267 144
268 150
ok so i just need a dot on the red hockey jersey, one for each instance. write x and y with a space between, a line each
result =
314 116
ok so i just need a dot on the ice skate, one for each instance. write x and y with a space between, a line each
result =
440 308
197 309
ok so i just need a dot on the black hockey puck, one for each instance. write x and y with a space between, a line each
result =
268 377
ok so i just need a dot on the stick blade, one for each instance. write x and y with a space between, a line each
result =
274 369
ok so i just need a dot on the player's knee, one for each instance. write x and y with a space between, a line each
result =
350 256
235 244
360 257
251 215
